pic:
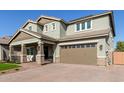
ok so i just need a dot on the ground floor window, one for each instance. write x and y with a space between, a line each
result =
31 51
87 45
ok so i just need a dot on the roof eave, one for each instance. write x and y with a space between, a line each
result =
94 16
78 38
29 21
112 22
22 30
56 19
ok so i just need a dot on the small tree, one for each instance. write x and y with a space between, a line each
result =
120 46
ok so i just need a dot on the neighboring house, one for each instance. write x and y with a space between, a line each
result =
4 48
87 40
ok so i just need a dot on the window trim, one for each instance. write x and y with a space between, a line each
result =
45 28
90 24
80 45
30 28
81 26
84 26
76 27
52 25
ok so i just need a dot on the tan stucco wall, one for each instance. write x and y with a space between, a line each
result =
56 54
101 53
56 33
39 28
63 28
34 26
98 24
52 33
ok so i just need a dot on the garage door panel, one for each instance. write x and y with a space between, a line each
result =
79 55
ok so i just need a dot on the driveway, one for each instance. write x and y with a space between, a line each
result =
67 72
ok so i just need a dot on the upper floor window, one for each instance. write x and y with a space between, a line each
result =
83 26
88 24
30 28
77 27
46 27
53 26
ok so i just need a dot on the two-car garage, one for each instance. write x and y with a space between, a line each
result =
79 54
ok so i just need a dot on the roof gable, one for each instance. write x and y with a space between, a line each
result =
47 19
26 34
22 36
27 22
43 21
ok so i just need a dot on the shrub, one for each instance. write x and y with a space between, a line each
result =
17 69
120 46
3 72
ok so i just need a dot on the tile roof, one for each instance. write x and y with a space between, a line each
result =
84 35
41 35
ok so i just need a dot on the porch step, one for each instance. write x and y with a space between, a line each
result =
47 62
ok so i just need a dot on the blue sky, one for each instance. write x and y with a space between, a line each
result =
10 21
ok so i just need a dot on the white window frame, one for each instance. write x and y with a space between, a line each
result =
81 27
76 27
86 25
45 28
52 25
30 27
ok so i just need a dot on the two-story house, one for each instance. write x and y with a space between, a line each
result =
86 40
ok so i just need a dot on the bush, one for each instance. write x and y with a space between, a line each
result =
17 69
120 46
3 72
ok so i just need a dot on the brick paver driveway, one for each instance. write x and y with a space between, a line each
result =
67 72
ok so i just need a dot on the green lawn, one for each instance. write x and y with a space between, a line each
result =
6 66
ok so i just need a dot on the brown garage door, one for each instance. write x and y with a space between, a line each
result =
79 54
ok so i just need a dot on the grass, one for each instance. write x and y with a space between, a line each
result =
7 66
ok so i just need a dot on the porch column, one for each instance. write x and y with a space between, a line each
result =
11 50
23 53
40 53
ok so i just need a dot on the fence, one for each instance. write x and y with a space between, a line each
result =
118 58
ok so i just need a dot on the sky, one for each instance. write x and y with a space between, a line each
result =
12 20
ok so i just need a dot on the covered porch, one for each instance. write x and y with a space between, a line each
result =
32 52
26 47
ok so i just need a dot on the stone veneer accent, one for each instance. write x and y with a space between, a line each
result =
57 59
101 61
40 59
23 58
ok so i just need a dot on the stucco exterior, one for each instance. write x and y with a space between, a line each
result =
34 26
101 54
97 25
47 36
53 33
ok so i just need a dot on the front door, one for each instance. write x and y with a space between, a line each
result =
46 52
31 54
